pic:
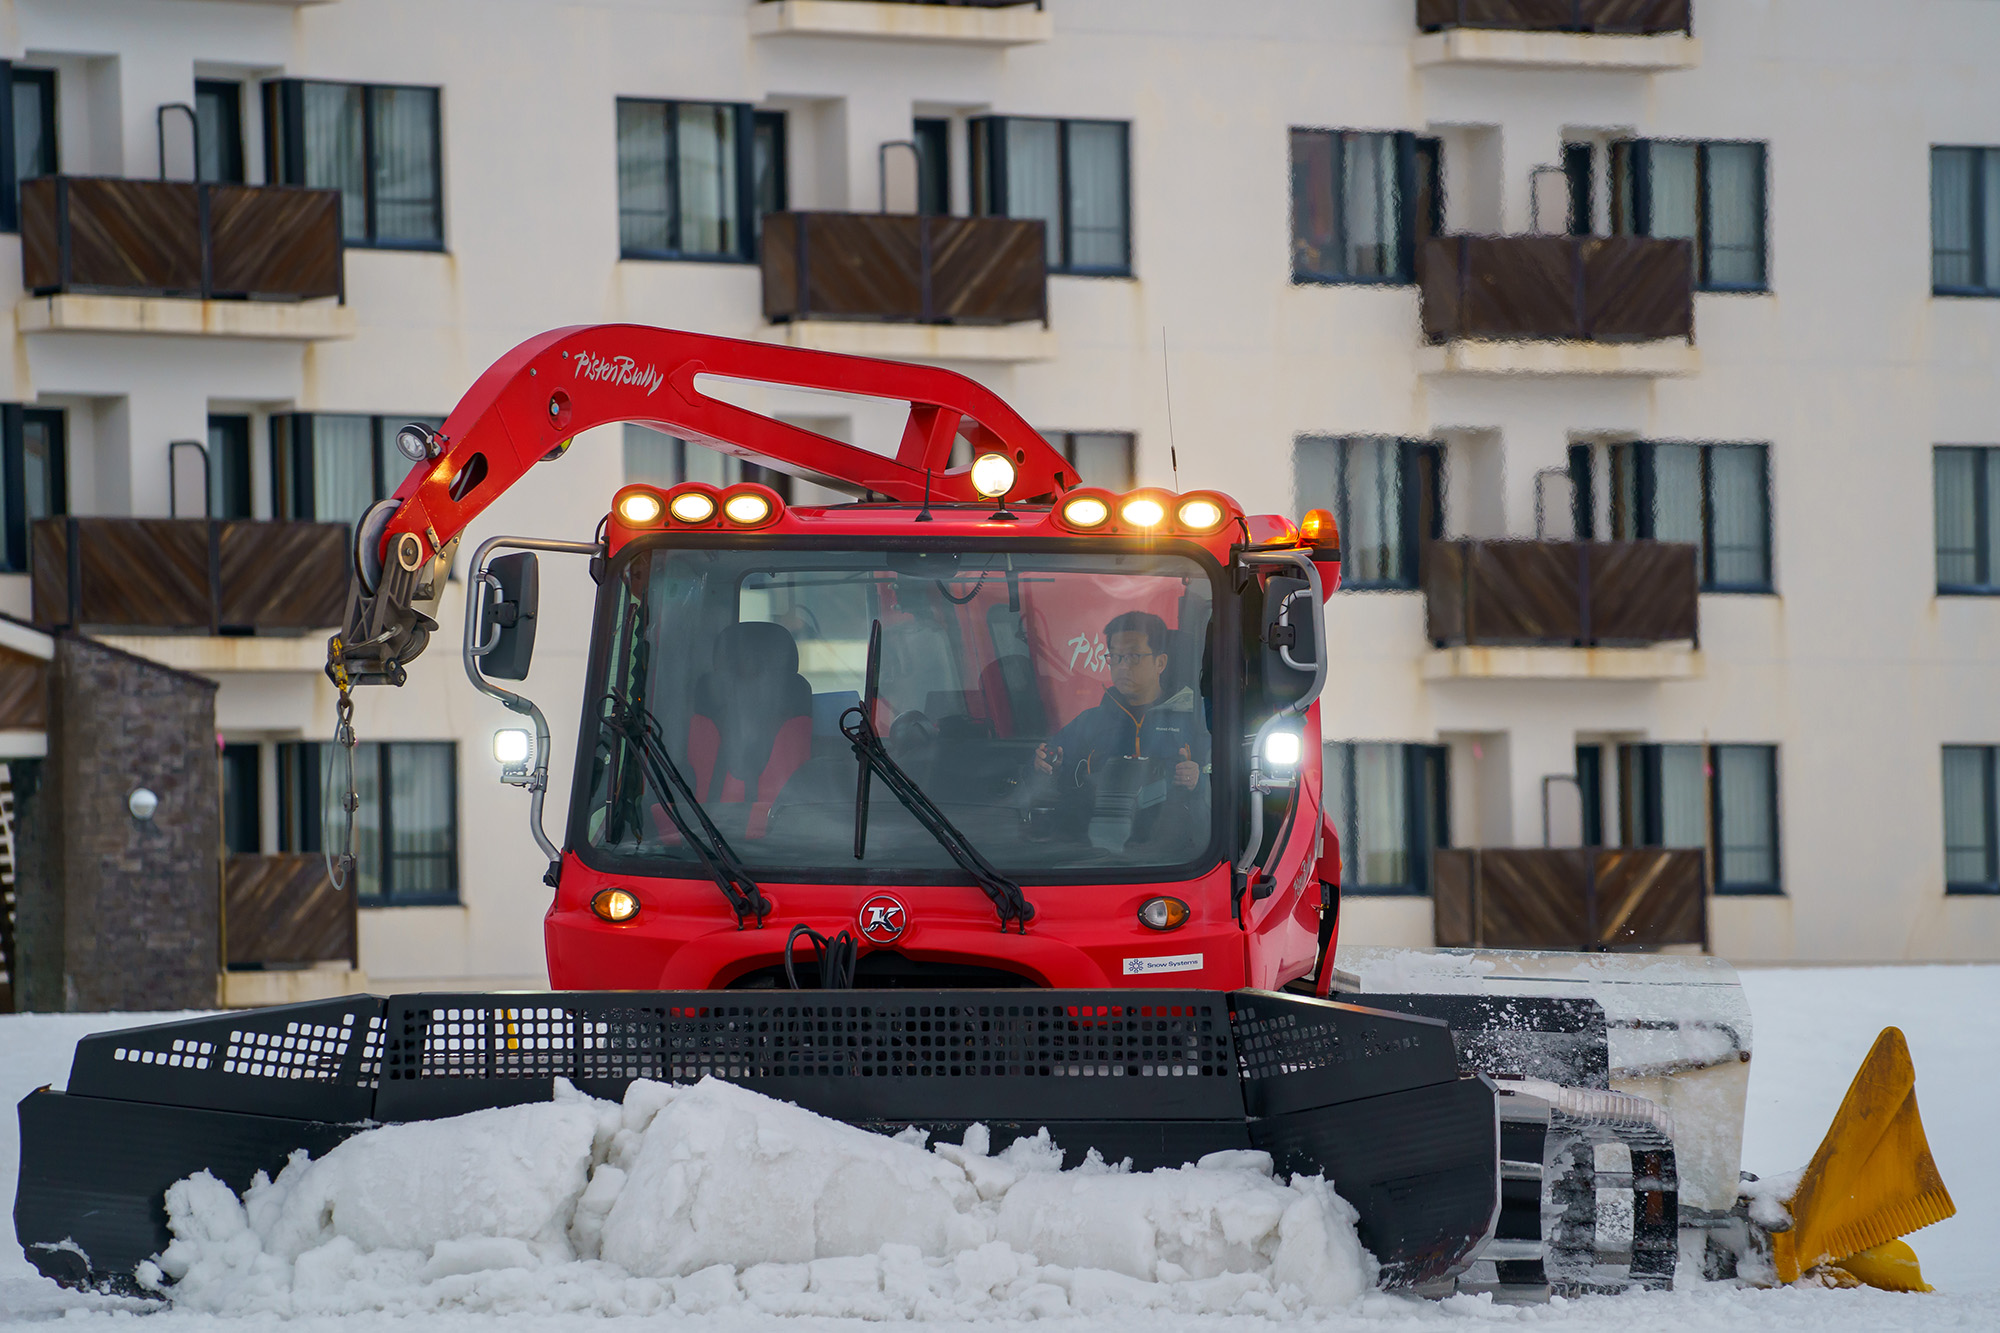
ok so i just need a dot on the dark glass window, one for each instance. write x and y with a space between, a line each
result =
1098 457
1971 844
28 139
1722 797
228 466
1968 504
1710 193
330 466
1717 496
1385 494
1075 175
1391 804
768 162
380 145
242 813
1965 221
34 474
689 180
933 140
660 459
1363 202
218 122
406 828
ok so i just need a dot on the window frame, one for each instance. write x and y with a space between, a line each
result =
10 181
1410 188
1641 812
302 769
1718 834
749 229
284 151
987 136
1990 799
1422 490
1985 556
1644 484
1426 783
1632 204
1984 157
13 470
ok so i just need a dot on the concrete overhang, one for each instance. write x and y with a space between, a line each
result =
1663 662
1495 48
919 342
1661 359
1013 25
207 654
296 321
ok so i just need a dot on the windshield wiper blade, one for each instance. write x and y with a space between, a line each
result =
858 725
637 725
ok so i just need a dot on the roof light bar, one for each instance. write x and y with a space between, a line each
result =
639 506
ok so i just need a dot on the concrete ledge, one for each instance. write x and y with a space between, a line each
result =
204 654
1498 48
20 744
1015 25
327 981
1666 358
920 342
1669 662
298 321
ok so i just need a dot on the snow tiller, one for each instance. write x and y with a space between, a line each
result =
988 796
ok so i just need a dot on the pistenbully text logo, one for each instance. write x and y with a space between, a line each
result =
618 370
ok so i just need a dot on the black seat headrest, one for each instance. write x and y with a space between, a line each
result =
756 648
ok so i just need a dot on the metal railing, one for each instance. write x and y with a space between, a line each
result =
1560 594
904 268
1566 288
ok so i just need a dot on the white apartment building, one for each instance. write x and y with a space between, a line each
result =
1240 199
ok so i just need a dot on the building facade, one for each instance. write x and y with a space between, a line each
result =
1715 297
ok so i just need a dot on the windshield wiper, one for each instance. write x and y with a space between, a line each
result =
637 725
858 725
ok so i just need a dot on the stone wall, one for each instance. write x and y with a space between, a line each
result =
117 912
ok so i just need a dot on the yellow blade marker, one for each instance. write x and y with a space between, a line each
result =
1873 1178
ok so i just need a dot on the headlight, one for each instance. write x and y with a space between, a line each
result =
615 905
748 508
1281 749
992 475
512 747
417 443
638 508
692 507
1200 515
1163 914
1086 511
1143 512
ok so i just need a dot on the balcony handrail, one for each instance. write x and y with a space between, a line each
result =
1620 17
1548 592
911 267
1586 899
1551 287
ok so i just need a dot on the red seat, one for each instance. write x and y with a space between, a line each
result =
752 723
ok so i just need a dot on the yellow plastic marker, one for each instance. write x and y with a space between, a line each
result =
1872 1179
1891 1266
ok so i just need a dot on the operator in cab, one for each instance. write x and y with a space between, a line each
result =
1129 768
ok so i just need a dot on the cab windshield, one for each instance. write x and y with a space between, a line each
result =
1054 707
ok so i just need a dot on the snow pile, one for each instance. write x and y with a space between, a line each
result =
697 1198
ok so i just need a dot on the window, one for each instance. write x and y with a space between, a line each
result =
1717 496
1099 457
228 466
218 121
1385 494
1722 797
692 176
34 474
1710 193
28 140
378 144
1965 221
1072 174
1968 503
1390 803
933 140
1971 847
406 828
242 819
329 467
660 459
1362 202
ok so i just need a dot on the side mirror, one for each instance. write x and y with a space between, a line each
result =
1291 639
509 589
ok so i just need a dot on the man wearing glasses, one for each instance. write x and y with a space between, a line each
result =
1139 751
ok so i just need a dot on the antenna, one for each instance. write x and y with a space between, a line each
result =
1167 375
924 514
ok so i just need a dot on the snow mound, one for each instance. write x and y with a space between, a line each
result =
708 1196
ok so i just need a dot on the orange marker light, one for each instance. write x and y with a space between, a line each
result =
1317 528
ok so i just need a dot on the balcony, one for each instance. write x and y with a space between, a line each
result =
1558 305
188 575
1561 610
283 923
893 284
107 255
1584 899
1643 36
997 23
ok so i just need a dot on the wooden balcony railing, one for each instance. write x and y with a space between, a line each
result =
1560 594
1614 16
195 575
904 268
282 909
1566 288
108 236
1577 899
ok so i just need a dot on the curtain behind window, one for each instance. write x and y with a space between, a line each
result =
1676 493
1368 205
407 207
1034 178
1102 458
1372 526
333 151
705 136
41 468
1313 237
1381 816
1739 516
642 177
1683 797
1989 240
1959 475
1746 780
1951 217
422 819
1968 815
1097 222
1735 215
1675 194
343 467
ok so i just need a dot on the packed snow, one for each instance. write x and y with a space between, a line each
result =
712 1207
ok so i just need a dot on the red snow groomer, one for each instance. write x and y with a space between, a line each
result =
986 797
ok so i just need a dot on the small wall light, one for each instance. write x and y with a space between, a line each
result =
142 803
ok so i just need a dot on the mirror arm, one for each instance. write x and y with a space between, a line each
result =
479 581
1259 781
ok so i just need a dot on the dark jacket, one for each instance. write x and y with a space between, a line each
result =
1115 730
